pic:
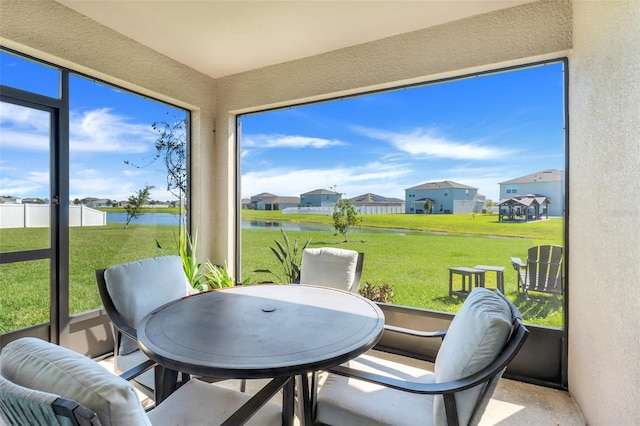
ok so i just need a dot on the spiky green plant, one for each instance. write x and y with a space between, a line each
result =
218 276
203 276
289 257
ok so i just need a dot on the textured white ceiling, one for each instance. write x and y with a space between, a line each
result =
220 38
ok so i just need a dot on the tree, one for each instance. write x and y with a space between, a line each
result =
344 216
171 149
134 208
428 206
489 204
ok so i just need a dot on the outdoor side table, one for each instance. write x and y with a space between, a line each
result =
474 277
499 270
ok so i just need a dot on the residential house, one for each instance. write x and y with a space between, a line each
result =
102 202
445 197
267 201
598 40
374 200
319 198
260 199
546 183
9 199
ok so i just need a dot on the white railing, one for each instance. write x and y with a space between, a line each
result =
37 216
328 211
379 209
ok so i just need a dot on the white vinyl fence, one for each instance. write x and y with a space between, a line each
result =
328 211
37 216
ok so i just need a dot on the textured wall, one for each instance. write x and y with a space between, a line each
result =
604 99
507 35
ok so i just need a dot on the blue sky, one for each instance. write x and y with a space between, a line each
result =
107 128
479 132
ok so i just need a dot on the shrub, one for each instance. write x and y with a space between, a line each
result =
378 293
289 257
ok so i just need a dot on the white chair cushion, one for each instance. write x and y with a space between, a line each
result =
474 339
200 403
345 401
329 267
36 364
137 288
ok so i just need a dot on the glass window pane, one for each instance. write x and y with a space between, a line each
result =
113 156
43 80
448 153
24 178
24 295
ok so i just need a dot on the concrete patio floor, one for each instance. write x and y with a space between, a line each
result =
513 403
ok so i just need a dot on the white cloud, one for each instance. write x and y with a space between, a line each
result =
24 118
373 177
284 141
24 139
97 130
429 143
102 131
24 187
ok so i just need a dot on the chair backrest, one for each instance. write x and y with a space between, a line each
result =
332 267
482 339
544 269
132 290
24 406
63 378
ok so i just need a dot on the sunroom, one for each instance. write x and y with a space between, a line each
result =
164 50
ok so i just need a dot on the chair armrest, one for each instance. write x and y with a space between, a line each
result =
414 387
517 263
415 333
138 370
518 336
125 329
75 412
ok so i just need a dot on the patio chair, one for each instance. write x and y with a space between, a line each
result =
332 267
542 272
484 336
45 384
129 292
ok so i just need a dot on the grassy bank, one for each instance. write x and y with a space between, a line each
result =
479 224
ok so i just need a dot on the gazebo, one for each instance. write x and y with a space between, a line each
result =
523 208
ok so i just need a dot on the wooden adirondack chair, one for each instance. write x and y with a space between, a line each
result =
543 270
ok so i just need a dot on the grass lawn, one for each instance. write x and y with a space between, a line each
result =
415 265
24 294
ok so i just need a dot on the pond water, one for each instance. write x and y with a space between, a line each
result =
146 219
289 226
173 220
